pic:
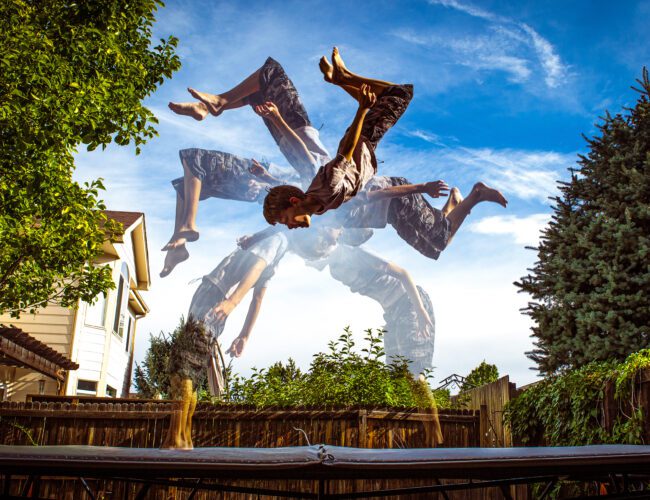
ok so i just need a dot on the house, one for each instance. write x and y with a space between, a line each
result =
98 337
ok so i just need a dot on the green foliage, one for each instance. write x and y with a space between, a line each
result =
151 379
71 73
591 284
567 410
339 377
484 373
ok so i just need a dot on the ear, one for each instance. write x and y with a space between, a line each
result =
294 200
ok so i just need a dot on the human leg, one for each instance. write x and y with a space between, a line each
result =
422 226
178 253
430 230
338 74
196 110
403 337
186 210
233 98
182 390
480 192
453 200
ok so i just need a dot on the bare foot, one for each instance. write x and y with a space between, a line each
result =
487 193
174 257
326 68
196 110
214 103
185 234
340 74
453 201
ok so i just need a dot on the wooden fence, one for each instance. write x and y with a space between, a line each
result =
490 400
135 424
144 425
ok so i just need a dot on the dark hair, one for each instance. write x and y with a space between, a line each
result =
277 200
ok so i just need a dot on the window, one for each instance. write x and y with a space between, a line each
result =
96 313
119 323
110 392
41 386
87 387
129 329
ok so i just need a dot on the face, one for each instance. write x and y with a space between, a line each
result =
291 218
316 244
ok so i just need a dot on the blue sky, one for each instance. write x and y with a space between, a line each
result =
503 92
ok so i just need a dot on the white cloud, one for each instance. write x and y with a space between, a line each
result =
510 48
468 9
555 70
525 230
524 174
425 136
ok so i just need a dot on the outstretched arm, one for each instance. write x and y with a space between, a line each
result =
221 311
435 189
424 321
258 170
349 142
237 347
271 111
247 241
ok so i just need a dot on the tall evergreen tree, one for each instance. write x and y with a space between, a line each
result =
590 287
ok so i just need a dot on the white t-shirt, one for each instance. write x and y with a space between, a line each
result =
234 267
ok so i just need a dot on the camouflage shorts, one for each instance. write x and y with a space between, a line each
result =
401 338
275 86
419 224
207 296
390 106
191 351
222 175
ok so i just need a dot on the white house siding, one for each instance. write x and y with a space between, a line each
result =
53 326
117 361
101 354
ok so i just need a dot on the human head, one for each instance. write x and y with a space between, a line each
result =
282 204
315 244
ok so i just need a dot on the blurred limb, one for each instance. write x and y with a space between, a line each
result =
425 325
258 170
248 240
223 309
435 189
270 111
237 347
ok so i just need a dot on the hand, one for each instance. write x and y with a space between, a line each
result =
425 325
237 347
436 189
267 110
221 311
244 242
367 97
257 169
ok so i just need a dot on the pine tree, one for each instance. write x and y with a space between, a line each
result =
590 287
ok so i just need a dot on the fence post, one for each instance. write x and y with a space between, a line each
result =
363 428
484 427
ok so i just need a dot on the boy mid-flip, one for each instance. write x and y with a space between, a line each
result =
427 229
381 104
